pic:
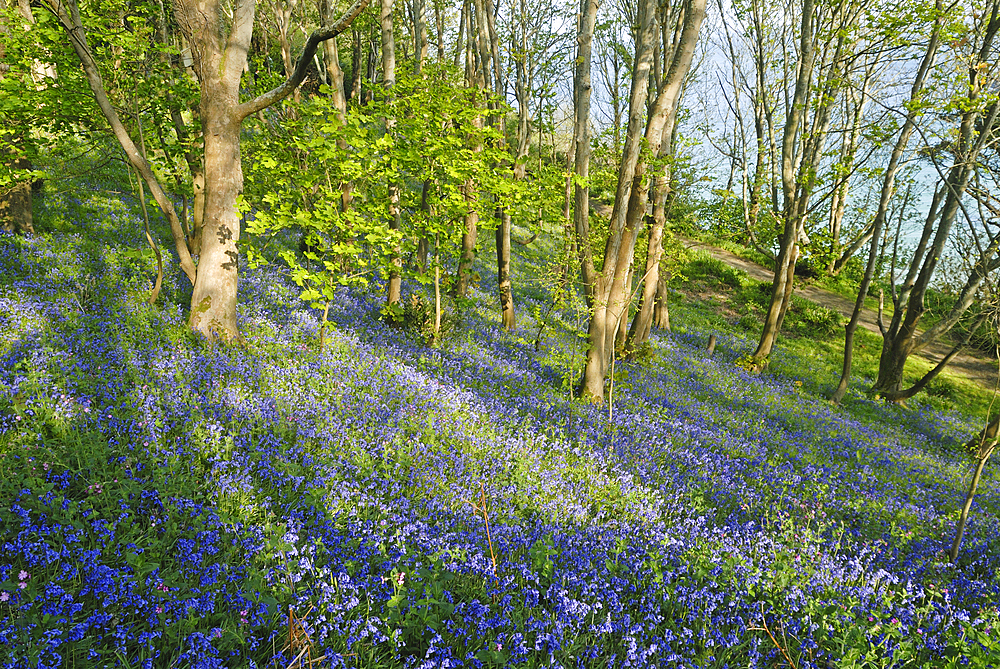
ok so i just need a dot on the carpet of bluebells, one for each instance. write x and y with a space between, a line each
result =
166 502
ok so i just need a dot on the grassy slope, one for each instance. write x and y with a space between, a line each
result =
720 297
937 302
164 502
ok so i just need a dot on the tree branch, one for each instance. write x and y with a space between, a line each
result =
68 15
926 378
282 91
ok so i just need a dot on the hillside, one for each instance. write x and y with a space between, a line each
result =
970 363
166 502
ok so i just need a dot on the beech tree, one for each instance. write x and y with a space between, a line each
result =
219 43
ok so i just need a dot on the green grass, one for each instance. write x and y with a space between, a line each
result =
717 297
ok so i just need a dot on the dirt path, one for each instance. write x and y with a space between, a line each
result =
980 369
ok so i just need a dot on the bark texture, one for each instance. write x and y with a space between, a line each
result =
604 319
660 137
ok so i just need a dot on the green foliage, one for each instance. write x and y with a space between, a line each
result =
416 317
725 218
713 271
48 113
541 554
808 318
300 161
420 607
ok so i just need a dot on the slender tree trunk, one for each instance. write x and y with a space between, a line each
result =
504 286
838 202
888 188
15 205
354 90
661 313
338 95
477 71
984 444
16 213
642 323
609 284
420 33
423 244
569 231
394 286
785 262
439 24
283 18
902 340
69 17
502 234
613 294
581 142
469 239
374 40
461 46
660 137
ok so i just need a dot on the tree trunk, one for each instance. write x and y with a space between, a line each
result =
502 234
423 244
581 142
849 149
69 17
984 445
394 287
902 338
439 24
476 70
420 33
507 315
660 138
609 284
569 231
469 238
785 263
15 205
661 313
888 188
354 90
213 302
338 95
371 67
642 323
612 295
219 67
